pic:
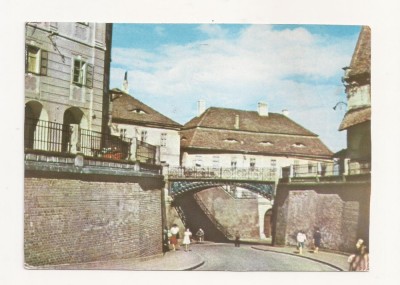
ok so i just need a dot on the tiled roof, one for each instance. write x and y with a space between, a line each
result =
261 143
127 109
361 60
274 134
223 118
355 116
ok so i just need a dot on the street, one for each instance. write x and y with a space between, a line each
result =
226 257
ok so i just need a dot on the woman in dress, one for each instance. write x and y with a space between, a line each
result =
174 236
186 239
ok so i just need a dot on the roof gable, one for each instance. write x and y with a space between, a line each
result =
127 108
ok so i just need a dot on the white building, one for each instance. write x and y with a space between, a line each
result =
130 118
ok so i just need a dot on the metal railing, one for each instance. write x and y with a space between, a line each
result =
145 152
359 167
315 169
46 136
55 137
250 173
98 144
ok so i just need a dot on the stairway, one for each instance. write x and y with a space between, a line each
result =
196 218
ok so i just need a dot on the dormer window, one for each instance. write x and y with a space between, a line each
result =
229 140
138 111
298 144
266 143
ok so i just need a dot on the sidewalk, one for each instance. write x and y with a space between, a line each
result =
336 260
173 260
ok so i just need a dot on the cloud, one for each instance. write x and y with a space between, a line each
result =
290 68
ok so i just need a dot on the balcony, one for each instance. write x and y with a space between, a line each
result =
343 170
61 142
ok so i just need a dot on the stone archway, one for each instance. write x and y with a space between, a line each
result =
268 223
72 116
35 126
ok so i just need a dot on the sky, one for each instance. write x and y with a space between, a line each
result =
294 67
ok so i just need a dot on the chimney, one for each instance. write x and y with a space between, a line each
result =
285 112
262 109
201 107
125 85
236 126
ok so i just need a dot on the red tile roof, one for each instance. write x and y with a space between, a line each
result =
272 135
361 60
223 118
126 109
355 117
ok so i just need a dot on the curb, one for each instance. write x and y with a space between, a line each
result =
302 256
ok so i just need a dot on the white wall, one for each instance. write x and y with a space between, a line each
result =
168 153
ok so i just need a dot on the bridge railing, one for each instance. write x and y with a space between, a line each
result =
249 173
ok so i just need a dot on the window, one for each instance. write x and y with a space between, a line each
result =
163 139
143 136
215 161
234 162
252 162
35 60
122 133
273 163
83 73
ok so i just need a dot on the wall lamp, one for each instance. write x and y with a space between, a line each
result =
339 103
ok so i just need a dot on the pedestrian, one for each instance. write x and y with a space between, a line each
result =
186 239
200 235
301 239
166 237
237 239
174 236
359 260
317 240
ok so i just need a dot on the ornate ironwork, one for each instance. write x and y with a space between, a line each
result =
249 173
265 189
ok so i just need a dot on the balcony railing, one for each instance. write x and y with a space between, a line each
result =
62 138
346 167
250 173
145 153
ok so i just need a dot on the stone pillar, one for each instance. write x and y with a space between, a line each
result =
346 166
158 154
74 141
133 150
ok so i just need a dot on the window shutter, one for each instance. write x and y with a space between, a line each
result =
89 75
43 62
26 58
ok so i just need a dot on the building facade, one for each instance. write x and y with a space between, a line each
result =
357 120
132 119
84 199
220 137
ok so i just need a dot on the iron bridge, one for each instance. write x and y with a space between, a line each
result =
192 179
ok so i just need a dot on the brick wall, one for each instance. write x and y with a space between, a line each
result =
341 211
73 221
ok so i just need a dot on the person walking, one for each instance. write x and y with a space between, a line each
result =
174 236
237 239
186 239
301 239
359 261
317 240
200 235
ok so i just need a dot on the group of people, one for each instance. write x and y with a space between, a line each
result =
172 237
302 238
358 260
